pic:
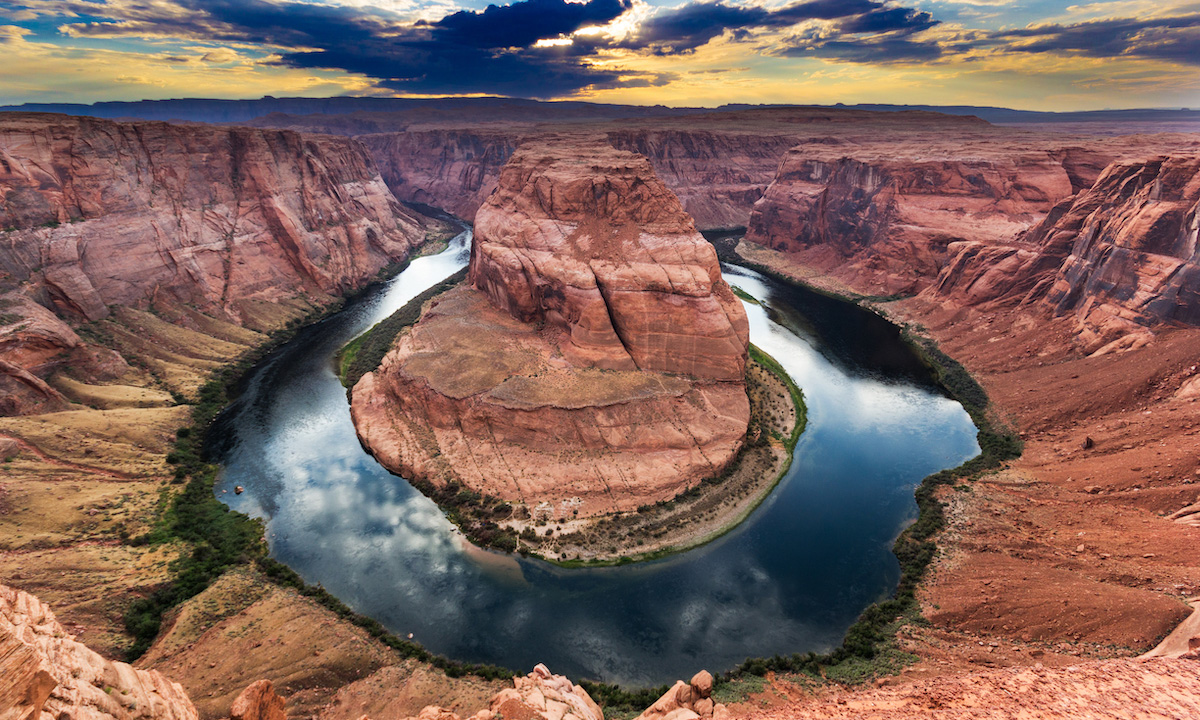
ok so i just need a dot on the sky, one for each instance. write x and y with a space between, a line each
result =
1033 54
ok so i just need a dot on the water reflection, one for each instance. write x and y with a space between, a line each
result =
790 579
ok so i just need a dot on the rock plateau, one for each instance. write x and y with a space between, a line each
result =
594 362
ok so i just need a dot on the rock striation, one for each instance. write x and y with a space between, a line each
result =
454 170
718 174
46 675
1120 256
100 213
594 362
228 221
884 220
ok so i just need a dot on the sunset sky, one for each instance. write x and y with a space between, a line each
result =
1037 54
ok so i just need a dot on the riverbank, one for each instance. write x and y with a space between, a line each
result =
1071 550
701 514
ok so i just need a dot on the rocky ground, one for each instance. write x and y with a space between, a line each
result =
1077 549
708 511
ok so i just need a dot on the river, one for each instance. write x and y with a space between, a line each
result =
791 578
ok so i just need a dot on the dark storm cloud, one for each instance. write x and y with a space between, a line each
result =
1176 39
687 28
896 40
492 51
495 50
524 23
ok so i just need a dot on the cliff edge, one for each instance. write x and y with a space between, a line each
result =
594 362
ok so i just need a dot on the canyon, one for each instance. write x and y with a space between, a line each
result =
593 363
1056 266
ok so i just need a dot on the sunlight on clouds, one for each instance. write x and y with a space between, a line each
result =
42 72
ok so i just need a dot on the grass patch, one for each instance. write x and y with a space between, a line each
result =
222 539
759 356
364 353
744 295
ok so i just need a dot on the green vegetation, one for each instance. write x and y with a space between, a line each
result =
643 521
474 513
284 576
762 358
744 295
221 539
618 702
364 353
869 649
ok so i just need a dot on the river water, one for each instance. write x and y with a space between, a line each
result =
792 578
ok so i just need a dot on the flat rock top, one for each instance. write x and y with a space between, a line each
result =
464 346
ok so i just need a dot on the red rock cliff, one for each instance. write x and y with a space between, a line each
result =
98 213
596 361
883 219
717 174
95 213
1121 255
594 245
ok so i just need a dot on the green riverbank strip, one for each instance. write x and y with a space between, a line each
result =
364 353
219 539
869 649
797 395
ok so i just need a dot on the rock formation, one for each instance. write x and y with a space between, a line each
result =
1121 256
688 701
454 170
884 219
595 362
46 675
540 695
258 702
95 213
99 213
718 174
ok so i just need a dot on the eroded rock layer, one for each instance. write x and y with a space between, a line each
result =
45 674
227 221
1121 256
594 363
100 213
884 220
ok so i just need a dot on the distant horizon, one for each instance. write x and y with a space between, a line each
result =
747 105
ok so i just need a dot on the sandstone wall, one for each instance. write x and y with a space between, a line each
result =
99 213
594 364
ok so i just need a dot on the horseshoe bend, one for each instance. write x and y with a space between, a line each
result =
587 389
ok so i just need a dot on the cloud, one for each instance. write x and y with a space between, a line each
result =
690 26
1175 39
557 48
490 51
522 24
